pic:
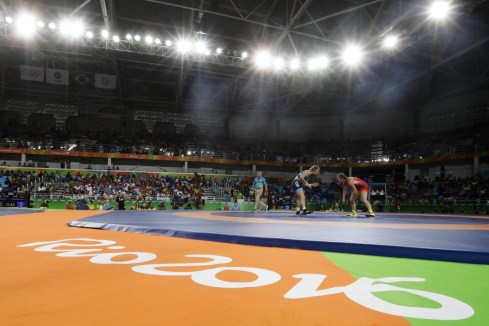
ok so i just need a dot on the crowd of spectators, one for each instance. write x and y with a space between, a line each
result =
152 191
409 146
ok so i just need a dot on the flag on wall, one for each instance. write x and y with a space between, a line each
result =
105 81
57 76
32 73
82 79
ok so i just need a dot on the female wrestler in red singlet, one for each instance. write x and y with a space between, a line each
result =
359 189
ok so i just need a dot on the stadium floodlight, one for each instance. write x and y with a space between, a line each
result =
148 39
52 26
263 60
9 19
390 42
322 62
128 37
89 34
105 33
116 39
26 25
244 55
40 24
200 46
219 50
168 43
137 37
295 64
439 10
207 52
278 64
157 41
71 28
352 55
184 46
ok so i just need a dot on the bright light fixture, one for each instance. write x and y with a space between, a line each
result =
9 19
148 39
137 38
184 46
439 10
218 50
26 25
352 55
52 26
278 63
104 33
200 47
312 64
128 37
391 41
89 34
40 24
71 28
244 55
263 60
157 41
295 64
116 39
168 43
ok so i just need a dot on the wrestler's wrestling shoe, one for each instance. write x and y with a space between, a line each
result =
370 215
352 215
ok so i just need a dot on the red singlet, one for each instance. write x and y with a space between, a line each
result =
360 185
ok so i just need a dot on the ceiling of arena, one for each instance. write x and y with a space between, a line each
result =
434 61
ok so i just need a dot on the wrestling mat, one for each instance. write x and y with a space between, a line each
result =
218 268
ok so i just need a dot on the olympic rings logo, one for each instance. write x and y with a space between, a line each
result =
32 72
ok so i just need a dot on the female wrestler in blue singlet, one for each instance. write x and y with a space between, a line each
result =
298 185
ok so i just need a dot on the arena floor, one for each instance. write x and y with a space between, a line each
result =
240 268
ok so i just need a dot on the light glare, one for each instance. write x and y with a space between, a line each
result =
71 28
391 41
439 10
128 37
26 25
168 43
278 63
352 55
184 46
295 64
263 60
137 38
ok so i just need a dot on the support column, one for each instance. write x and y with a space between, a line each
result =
253 169
476 166
23 158
109 162
350 171
185 167
406 171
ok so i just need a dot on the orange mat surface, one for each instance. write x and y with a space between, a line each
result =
245 285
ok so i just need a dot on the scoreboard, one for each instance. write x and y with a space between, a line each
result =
17 199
